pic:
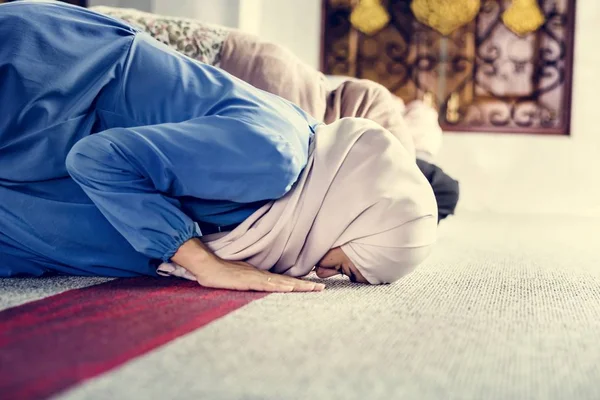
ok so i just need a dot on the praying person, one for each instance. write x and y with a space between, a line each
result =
120 157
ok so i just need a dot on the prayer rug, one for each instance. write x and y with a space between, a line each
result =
51 344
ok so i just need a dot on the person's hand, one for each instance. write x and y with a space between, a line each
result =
214 272
237 275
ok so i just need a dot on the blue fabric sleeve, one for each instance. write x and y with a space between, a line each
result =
135 175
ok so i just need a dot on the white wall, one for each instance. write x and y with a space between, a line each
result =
221 12
516 173
143 5
295 24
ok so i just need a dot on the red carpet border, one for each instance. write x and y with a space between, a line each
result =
49 345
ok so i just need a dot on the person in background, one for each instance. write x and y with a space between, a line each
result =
277 70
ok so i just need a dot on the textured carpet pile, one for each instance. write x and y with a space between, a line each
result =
507 307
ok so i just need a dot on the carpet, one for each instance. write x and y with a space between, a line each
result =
56 342
508 306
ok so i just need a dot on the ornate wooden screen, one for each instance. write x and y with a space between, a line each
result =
482 76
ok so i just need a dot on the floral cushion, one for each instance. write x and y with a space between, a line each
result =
195 39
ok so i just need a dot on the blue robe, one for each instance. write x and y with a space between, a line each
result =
113 148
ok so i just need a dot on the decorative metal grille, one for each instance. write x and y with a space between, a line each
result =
482 76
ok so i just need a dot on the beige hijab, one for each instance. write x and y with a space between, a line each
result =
360 190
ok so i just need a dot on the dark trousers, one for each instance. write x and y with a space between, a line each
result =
445 188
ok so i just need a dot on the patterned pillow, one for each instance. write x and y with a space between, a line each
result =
195 39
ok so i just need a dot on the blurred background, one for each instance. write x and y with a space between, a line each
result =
515 82
546 162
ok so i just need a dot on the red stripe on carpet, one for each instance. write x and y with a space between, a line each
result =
49 345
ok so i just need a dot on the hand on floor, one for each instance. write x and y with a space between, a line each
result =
237 275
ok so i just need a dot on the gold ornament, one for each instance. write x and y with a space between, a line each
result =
523 17
445 16
429 100
452 107
369 17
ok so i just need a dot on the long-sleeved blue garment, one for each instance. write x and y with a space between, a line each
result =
113 147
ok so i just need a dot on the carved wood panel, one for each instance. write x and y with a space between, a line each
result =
482 76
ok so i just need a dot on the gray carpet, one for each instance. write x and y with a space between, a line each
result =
508 307
14 292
